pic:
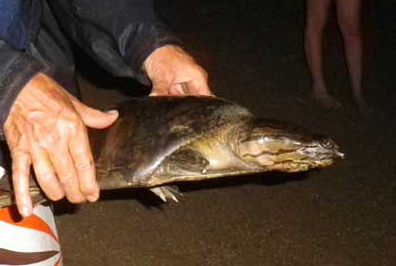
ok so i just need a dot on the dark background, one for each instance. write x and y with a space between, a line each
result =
253 51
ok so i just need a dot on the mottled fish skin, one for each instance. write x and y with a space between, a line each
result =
137 144
159 140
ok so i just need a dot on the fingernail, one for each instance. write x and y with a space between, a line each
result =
113 112
25 211
92 198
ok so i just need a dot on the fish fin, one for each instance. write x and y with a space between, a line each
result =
186 161
166 193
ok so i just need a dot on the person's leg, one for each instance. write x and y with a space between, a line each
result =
316 20
348 17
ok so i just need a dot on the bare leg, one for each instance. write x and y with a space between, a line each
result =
348 17
317 12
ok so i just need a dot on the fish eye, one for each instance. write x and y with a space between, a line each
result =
328 143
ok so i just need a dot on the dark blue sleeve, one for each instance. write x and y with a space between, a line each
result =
19 22
118 34
16 69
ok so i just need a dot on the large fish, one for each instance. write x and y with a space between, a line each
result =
160 140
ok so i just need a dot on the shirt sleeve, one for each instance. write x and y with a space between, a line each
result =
16 69
118 34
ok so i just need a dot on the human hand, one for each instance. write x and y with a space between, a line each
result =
173 72
46 128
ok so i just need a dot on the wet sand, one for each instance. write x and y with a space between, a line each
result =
344 215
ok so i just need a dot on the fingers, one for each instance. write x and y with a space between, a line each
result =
179 89
45 127
95 118
161 88
198 86
174 72
66 168
187 88
21 169
67 175
155 93
45 174
194 87
84 164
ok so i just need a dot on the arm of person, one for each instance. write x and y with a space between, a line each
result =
128 40
44 127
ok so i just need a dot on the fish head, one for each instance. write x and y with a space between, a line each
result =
274 146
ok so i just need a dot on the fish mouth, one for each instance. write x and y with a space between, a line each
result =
311 160
298 166
320 153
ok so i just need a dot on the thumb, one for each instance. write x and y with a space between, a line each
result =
95 118
160 89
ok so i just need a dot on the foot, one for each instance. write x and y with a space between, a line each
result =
327 101
362 105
